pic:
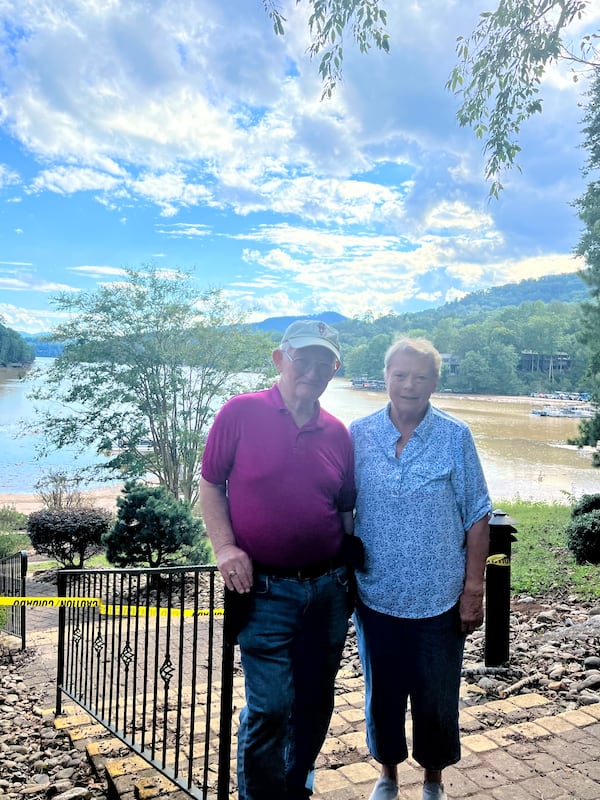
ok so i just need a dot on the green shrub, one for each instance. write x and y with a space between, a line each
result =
68 535
153 528
587 503
11 543
11 519
583 537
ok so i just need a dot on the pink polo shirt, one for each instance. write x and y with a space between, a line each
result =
285 485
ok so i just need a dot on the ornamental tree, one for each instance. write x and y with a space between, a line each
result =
146 364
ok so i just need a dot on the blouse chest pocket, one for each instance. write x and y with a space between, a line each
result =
429 476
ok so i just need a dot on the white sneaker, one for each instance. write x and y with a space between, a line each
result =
384 789
434 791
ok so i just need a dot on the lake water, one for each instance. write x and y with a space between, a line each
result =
19 469
523 455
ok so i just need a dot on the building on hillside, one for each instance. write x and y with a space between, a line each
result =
550 364
450 363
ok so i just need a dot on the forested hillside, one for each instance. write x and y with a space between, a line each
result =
513 339
13 348
511 350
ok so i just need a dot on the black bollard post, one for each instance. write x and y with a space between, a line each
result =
497 589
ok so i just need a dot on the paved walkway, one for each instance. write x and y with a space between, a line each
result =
513 749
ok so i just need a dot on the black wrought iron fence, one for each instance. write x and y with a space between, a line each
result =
143 652
13 570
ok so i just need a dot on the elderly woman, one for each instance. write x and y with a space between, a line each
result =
422 512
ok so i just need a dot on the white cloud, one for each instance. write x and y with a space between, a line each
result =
188 230
198 131
30 320
68 180
31 283
8 176
98 271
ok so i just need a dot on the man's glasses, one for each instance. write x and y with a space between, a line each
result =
324 369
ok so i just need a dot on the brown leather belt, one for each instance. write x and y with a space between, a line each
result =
305 573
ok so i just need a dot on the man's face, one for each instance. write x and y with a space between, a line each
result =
305 372
410 380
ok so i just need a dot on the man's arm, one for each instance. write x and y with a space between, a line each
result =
471 599
234 563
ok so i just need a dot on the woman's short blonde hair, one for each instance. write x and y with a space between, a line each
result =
420 347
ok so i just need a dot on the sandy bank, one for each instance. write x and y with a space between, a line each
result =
100 497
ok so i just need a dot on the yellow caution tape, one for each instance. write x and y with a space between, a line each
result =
111 610
498 560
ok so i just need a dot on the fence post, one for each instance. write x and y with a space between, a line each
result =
23 594
60 665
497 589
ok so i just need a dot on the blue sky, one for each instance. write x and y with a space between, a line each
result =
184 134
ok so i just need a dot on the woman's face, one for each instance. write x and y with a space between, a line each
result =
410 380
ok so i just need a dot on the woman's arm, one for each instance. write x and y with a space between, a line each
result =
471 599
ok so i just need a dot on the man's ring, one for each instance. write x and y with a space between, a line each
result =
232 572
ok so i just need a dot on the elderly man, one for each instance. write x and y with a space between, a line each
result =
277 494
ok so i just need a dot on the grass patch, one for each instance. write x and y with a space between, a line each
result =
541 562
94 562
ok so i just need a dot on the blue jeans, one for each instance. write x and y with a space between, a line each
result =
291 649
416 658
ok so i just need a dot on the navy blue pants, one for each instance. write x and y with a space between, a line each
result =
420 659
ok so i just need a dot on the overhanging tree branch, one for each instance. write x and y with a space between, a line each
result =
500 69
328 22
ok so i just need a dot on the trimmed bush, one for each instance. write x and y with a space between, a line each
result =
583 537
69 535
153 529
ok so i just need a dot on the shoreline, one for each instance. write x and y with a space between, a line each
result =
99 497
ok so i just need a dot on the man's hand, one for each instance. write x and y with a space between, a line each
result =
471 610
236 568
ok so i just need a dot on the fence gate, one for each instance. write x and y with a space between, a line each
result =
13 570
143 652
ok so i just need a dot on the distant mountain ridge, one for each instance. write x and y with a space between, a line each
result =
565 288
279 324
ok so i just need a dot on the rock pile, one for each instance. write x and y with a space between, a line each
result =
554 651
36 760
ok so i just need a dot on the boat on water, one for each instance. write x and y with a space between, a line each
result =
371 384
571 411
